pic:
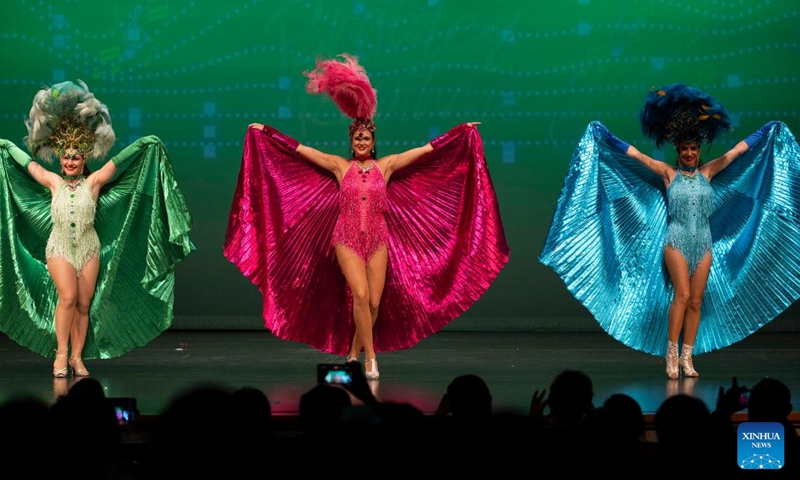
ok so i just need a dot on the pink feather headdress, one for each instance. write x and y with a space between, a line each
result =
348 85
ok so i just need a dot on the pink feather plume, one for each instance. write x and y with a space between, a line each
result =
348 85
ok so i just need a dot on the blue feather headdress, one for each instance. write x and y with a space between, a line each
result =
680 114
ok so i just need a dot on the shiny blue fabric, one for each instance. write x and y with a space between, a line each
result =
608 230
690 204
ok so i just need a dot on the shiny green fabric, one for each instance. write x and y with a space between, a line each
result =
143 224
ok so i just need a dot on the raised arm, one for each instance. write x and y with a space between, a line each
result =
718 164
104 174
404 159
332 163
399 160
40 174
120 161
659 168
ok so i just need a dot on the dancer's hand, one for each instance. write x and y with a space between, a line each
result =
612 140
281 138
756 136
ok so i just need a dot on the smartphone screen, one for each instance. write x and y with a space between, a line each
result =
334 373
124 417
125 410
744 399
341 377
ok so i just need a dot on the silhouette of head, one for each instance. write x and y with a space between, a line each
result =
770 401
681 419
254 412
323 408
624 414
201 419
469 396
570 399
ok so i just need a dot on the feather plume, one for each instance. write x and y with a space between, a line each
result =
68 114
678 113
346 83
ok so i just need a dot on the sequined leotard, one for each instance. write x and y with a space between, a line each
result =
73 236
690 203
361 226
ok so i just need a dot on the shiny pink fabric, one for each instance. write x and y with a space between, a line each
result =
362 202
446 242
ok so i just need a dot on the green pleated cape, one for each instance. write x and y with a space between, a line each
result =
143 224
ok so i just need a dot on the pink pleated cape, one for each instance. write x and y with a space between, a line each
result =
446 243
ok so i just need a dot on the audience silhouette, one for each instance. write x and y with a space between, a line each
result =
687 430
85 419
322 414
771 401
569 402
467 396
614 438
26 429
213 431
201 433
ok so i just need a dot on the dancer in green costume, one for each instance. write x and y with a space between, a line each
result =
87 262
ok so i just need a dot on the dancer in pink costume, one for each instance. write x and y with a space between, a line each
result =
347 261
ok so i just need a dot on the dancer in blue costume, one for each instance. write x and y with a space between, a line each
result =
715 240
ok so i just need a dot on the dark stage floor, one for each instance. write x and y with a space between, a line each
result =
514 364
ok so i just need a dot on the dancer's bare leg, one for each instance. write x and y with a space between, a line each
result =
355 273
87 283
689 301
376 279
697 290
65 280
679 273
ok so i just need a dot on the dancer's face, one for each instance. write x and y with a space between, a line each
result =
72 162
362 143
688 154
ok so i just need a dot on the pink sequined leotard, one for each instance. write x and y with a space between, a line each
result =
361 226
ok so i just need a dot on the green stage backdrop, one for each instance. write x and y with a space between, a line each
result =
535 72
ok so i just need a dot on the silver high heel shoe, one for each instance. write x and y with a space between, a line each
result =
59 372
371 374
672 360
76 371
686 361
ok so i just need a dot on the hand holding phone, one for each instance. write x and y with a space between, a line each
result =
744 399
335 373
125 410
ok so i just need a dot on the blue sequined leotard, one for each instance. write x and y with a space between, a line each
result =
690 203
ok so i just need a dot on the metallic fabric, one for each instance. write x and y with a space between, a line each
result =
143 225
608 230
446 242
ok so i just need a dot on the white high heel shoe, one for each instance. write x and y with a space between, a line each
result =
59 372
686 361
372 374
76 371
672 360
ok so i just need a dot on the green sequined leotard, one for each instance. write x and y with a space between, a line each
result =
691 201
73 236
